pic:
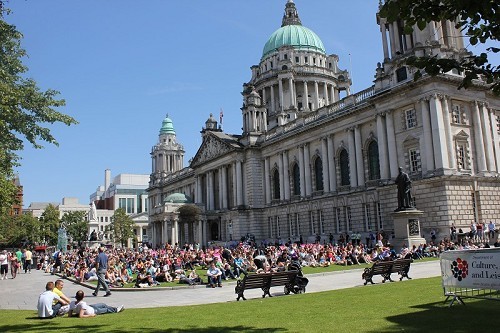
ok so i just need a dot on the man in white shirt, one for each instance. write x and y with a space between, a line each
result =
4 265
46 307
214 275
81 309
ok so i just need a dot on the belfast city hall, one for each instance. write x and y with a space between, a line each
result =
315 159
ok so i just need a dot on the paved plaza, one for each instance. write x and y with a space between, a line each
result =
22 292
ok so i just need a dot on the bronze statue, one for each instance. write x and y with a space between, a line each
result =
404 195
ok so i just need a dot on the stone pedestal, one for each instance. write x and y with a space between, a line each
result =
407 228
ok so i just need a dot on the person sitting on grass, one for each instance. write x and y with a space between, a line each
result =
214 275
81 309
46 307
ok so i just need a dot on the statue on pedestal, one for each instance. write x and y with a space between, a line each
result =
404 195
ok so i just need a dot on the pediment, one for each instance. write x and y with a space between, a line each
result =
213 147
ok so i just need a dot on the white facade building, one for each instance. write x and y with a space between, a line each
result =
314 159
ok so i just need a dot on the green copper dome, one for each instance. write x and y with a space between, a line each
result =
167 127
297 36
178 198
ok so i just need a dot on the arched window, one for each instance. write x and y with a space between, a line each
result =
296 179
276 184
318 174
344 168
373 161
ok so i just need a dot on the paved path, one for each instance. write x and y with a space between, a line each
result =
22 292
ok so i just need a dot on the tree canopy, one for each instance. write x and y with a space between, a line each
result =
76 226
477 19
121 227
25 109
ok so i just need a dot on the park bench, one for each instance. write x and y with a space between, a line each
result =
265 281
386 268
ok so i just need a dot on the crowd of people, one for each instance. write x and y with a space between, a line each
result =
145 267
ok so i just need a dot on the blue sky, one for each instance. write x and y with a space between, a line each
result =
122 65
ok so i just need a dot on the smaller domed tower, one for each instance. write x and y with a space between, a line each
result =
167 155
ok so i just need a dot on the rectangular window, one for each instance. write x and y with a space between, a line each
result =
297 226
313 223
337 219
461 157
414 159
379 217
296 60
130 206
122 203
320 222
348 218
368 220
411 118
306 59
455 114
278 229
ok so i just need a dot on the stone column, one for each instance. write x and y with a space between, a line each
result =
324 160
280 170
438 133
352 157
302 173
332 170
305 98
273 104
478 139
210 192
200 232
391 142
219 180
383 31
488 139
280 85
391 37
332 92
427 134
316 95
175 235
325 93
382 147
448 134
397 41
267 189
239 183
496 140
286 175
307 169
359 156
224 187
235 185
292 94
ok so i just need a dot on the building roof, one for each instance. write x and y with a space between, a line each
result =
178 198
296 36
167 126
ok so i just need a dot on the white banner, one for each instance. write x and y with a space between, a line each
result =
471 268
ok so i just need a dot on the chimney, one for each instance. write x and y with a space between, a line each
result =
107 179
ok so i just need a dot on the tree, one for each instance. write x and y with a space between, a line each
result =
189 213
478 19
19 230
76 226
49 225
121 227
24 109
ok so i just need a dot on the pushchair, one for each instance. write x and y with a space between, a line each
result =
300 283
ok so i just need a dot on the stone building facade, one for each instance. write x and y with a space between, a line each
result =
314 159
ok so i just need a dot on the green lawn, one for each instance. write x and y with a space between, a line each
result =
407 306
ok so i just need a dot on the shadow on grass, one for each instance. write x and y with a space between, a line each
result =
48 326
475 316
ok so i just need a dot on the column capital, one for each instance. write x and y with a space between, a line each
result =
424 99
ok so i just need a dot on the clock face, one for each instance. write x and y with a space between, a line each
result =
413 228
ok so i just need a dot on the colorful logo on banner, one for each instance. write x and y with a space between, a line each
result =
460 269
